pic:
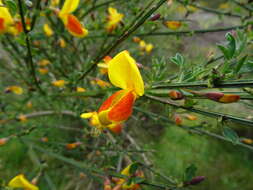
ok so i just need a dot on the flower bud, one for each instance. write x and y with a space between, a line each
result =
178 120
155 17
3 141
175 95
195 180
247 141
221 97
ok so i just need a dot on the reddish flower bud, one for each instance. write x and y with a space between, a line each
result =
196 180
221 97
175 95
178 120
155 17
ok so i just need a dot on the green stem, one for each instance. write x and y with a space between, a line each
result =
28 46
123 37
195 130
203 84
203 112
210 10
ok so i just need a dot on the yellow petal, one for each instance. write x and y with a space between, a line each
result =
69 6
48 31
87 115
21 182
124 73
80 89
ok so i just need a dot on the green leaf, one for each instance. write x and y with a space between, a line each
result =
228 49
190 172
231 44
137 180
231 135
12 6
240 64
133 168
178 59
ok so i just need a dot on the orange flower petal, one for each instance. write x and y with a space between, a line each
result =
108 102
116 128
1 24
123 108
75 27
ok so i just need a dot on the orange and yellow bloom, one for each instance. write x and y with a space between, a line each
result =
173 25
21 182
123 73
6 20
122 183
70 21
113 19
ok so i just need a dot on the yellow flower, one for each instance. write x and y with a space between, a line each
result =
6 20
71 22
173 24
100 83
59 83
149 48
22 118
123 73
54 3
21 182
142 44
48 31
62 43
15 89
104 65
114 18
80 89
43 62
126 172
43 70
29 104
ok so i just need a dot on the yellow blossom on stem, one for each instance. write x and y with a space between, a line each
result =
71 22
47 30
103 67
43 62
123 73
123 182
29 104
80 89
54 3
43 70
22 118
101 83
59 83
149 47
6 20
174 25
62 43
113 19
21 182
14 89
